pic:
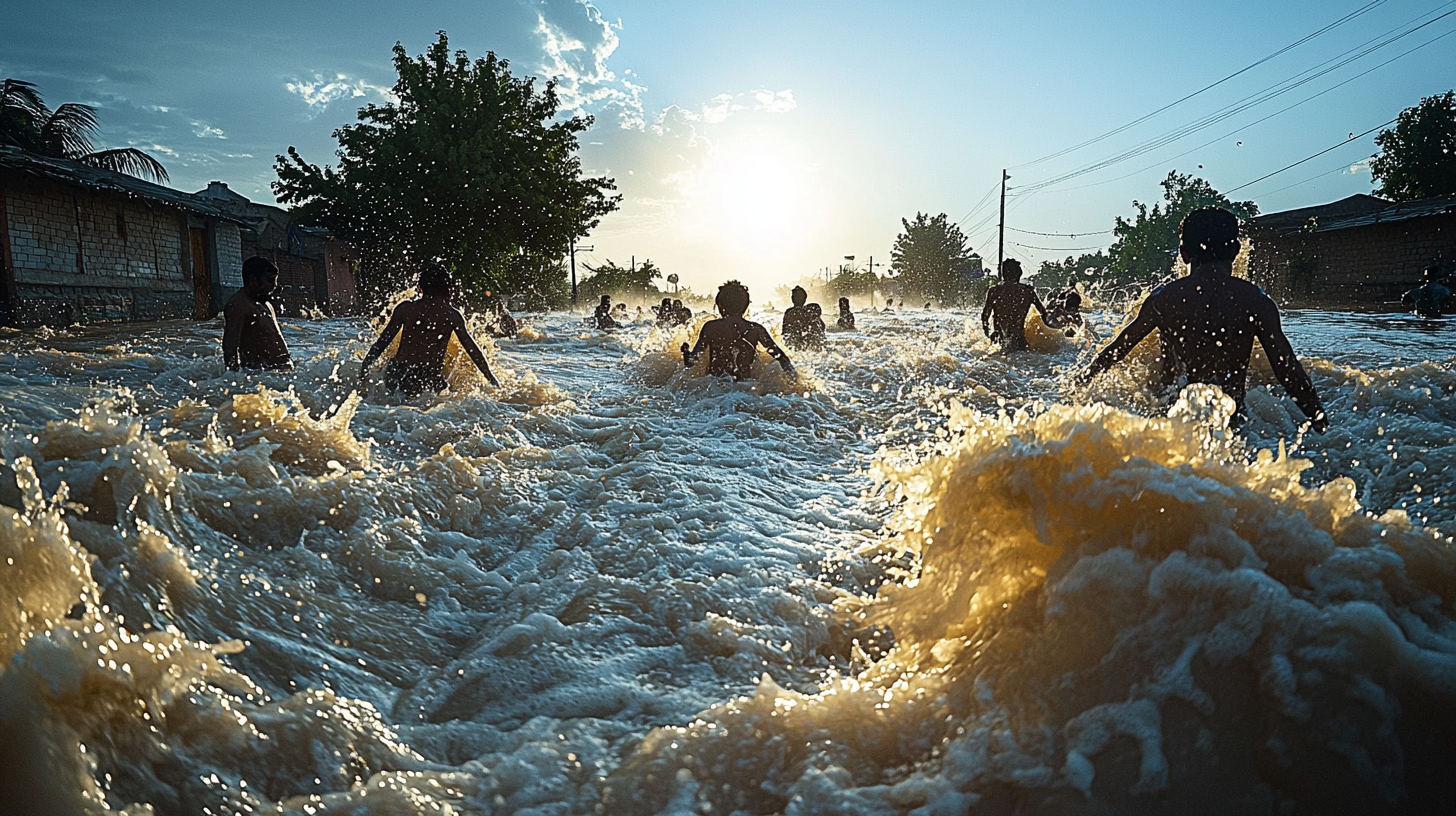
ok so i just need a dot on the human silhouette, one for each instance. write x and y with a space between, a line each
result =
681 313
732 341
803 328
1432 297
846 317
502 324
1064 310
1008 303
251 337
1207 322
427 323
603 315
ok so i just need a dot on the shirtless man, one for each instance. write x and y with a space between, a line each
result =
250 336
846 317
427 323
803 329
603 315
1431 298
1008 302
1207 322
732 341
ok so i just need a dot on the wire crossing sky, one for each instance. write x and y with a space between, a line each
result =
767 140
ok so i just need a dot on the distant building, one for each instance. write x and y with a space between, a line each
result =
84 245
1360 252
315 270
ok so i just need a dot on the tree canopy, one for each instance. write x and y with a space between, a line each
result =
67 132
931 258
1417 157
611 279
469 166
1084 268
1146 248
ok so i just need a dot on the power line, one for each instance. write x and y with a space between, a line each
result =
1271 92
1343 166
1348 17
1061 234
1315 156
1057 249
979 204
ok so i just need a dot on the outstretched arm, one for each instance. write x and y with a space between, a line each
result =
1126 341
1286 367
385 338
690 358
986 314
766 340
462 333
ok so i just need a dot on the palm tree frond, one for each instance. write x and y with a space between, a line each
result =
69 130
22 95
21 107
127 160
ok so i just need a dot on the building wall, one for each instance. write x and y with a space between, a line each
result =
1358 268
339 261
87 256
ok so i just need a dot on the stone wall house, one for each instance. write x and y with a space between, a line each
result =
314 268
83 245
1360 252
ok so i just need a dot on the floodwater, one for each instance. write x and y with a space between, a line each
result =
925 579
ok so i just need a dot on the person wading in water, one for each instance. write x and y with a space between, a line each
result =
1008 303
732 341
427 323
1207 322
250 335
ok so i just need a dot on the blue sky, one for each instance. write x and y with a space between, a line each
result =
766 140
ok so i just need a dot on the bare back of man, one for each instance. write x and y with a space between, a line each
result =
732 345
1007 304
425 326
251 337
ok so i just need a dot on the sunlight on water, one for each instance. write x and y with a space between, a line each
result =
924 577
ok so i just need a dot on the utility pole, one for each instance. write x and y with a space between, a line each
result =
1001 238
574 248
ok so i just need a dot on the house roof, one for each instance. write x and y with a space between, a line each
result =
1355 211
74 172
1355 205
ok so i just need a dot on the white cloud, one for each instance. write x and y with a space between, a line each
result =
319 92
1362 166
774 102
578 42
204 131
163 149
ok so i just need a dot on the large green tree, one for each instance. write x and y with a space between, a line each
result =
931 258
1417 157
611 279
66 132
1146 248
1085 268
468 166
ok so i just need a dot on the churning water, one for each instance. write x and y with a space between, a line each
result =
927 579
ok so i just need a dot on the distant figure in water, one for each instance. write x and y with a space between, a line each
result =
889 306
803 327
1207 321
427 323
681 313
1064 310
846 317
732 341
1431 298
250 336
666 317
603 315
1008 303
503 324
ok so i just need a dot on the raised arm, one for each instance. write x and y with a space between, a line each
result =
232 335
462 333
1041 311
1131 334
396 322
1286 367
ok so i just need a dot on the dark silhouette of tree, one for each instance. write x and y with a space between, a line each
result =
1085 268
66 132
468 166
931 258
852 282
1146 248
611 279
1417 157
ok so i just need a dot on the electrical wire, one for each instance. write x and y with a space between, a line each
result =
1061 234
1057 249
1314 156
1269 93
1343 166
1347 18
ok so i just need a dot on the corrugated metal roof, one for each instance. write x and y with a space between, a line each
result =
74 172
1396 212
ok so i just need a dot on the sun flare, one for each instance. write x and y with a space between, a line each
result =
754 194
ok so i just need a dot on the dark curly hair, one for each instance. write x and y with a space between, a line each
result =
732 298
1209 234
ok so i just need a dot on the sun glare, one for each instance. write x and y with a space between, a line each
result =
754 194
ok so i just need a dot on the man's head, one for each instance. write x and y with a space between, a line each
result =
1073 300
260 277
732 298
844 304
676 304
799 295
606 300
435 281
1011 270
1209 235
1432 273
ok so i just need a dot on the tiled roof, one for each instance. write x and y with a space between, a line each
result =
13 158
1355 211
